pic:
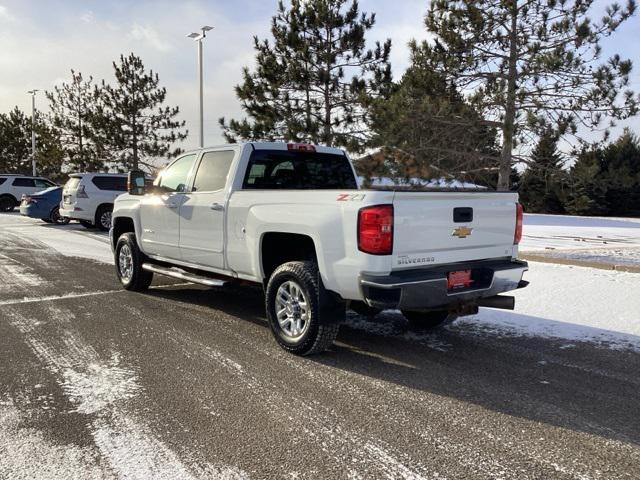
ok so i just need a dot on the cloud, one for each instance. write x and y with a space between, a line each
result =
5 15
151 37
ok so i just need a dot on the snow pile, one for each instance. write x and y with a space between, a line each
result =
419 182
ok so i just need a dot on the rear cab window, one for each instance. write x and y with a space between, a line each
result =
297 170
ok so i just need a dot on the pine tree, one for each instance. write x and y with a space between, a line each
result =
73 108
532 64
134 124
313 80
15 145
543 184
620 166
426 122
587 193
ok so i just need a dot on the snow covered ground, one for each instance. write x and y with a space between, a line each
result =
564 232
562 301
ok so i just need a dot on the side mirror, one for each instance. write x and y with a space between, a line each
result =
136 182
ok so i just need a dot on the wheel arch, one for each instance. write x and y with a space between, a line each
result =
277 248
121 225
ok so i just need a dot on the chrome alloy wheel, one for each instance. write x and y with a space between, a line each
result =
105 220
292 310
125 263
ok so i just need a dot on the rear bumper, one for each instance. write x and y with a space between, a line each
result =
70 211
427 289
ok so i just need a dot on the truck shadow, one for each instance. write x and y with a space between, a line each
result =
568 384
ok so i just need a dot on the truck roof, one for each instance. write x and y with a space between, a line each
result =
274 146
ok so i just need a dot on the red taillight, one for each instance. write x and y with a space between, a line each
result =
517 236
375 229
301 147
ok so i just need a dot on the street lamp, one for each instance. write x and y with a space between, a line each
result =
33 130
199 37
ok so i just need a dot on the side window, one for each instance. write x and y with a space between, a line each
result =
174 177
213 171
40 183
23 182
118 184
2 180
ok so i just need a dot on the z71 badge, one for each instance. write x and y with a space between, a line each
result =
351 197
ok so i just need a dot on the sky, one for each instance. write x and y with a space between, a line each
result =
41 41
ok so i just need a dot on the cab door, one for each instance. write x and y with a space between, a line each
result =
160 210
202 213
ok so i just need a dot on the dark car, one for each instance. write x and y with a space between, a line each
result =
44 205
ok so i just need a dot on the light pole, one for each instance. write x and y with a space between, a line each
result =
33 130
199 37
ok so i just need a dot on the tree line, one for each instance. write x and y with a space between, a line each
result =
486 100
602 179
498 83
95 126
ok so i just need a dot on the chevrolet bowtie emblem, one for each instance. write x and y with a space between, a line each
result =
462 232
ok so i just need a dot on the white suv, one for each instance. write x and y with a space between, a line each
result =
12 187
89 197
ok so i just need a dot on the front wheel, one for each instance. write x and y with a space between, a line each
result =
428 320
303 319
129 260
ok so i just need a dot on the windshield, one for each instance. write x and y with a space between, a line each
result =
292 170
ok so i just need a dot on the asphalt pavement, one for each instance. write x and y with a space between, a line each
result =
187 382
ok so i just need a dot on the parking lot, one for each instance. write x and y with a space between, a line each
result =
187 382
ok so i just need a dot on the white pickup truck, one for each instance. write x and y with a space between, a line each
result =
290 217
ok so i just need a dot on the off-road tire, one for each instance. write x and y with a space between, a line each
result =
139 279
428 320
7 203
325 317
102 210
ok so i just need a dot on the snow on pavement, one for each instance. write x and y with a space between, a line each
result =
574 303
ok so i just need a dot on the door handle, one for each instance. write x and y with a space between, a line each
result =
217 206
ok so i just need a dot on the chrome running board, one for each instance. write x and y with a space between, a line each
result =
180 274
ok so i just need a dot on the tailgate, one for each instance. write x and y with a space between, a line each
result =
432 228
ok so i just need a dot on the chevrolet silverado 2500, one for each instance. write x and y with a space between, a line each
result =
291 218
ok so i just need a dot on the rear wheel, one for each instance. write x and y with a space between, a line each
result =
7 204
303 319
428 320
103 217
57 218
86 223
129 260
